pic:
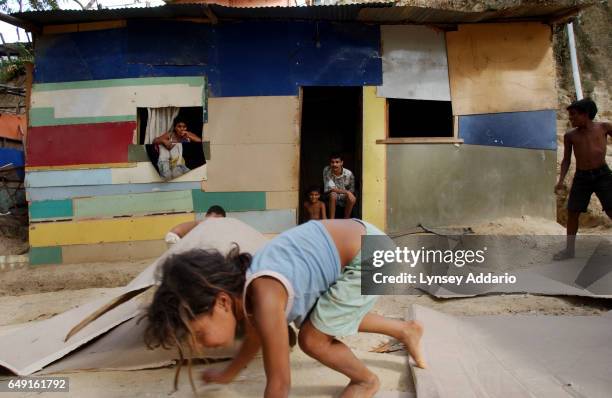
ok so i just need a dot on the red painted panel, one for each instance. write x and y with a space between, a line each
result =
79 144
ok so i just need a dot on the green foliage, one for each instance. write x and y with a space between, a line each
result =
15 66
10 6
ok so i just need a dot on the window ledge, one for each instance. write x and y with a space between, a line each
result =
421 140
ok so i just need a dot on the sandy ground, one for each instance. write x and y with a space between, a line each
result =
36 293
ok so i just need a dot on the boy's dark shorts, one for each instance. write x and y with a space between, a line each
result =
585 183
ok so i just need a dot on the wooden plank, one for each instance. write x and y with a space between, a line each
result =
100 231
144 172
374 201
79 144
230 201
414 63
263 120
114 98
421 140
63 178
506 67
116 251
263 167
83 27
79 166
266 221
532 130
50 209
10 124
282 200
52 193
134 204
137 153
45 255
46 117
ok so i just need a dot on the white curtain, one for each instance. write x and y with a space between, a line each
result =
159 122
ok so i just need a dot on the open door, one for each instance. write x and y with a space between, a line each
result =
331 123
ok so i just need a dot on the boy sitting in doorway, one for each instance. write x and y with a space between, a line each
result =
588 139
339 186
315 209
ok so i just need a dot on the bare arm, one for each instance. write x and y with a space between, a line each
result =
164 140
608 128
269 299
183 229
193 137
249 348
323 211
567 159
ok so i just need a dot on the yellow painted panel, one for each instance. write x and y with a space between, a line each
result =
374 159
100 231
282 200
115 251
144 172
253 120
505 67
253 167
81 166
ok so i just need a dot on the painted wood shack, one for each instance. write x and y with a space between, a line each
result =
445 117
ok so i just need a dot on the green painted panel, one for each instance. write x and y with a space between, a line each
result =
442 185
45 255
51 209
134 204
206 145
137 153
230 201
46 117
144 81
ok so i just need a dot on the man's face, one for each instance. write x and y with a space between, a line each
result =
181 129
577 118
336 164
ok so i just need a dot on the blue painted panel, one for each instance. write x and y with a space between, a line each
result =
532 130
11 156
187 51
242 58
58 193
63 178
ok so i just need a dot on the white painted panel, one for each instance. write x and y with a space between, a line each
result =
117 100
144 172
414 63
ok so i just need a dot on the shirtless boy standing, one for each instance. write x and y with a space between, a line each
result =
588 139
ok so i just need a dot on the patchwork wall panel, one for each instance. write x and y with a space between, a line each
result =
440 185
278 57
105 230
501 68
79 144
414 63
374 159
534 130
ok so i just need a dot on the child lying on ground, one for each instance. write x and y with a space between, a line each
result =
310 275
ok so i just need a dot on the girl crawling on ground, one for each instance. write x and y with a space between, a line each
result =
310 275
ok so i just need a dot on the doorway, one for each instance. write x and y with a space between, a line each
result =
331 123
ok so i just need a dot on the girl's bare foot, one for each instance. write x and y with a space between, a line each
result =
365 389
411 338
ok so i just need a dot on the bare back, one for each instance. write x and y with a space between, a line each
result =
346 234
589 145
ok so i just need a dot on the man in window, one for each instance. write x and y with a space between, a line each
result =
339 186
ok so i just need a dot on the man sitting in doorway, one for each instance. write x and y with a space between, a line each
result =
339 186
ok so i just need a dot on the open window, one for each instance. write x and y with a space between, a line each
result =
419 121
153 122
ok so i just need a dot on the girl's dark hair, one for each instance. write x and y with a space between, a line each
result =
190 283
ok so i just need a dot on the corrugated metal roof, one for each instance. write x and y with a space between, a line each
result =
367 12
